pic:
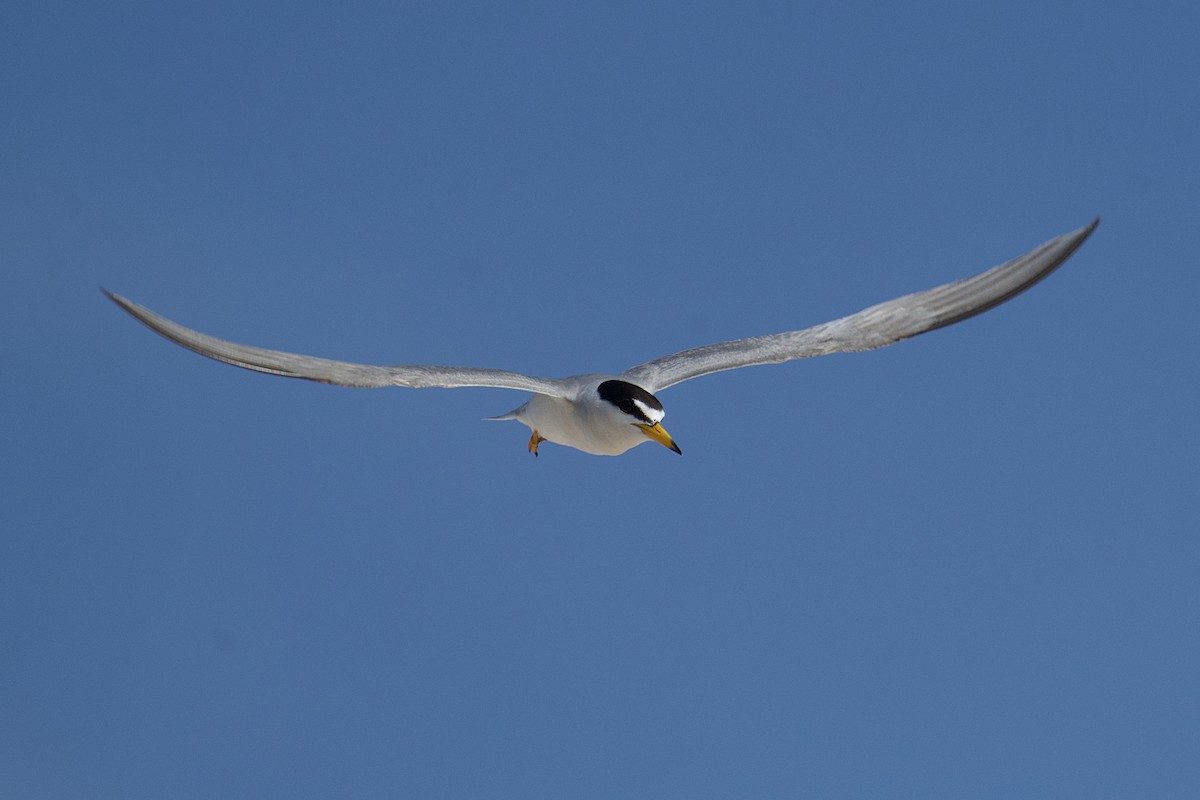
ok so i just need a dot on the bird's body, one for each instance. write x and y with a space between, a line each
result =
586 420
586 425
609 414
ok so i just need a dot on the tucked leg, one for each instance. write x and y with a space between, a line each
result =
534 441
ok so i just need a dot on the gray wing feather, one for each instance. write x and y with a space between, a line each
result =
342 373
870 328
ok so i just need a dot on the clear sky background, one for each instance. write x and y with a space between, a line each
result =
963 566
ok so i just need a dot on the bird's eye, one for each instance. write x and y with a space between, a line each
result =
626 406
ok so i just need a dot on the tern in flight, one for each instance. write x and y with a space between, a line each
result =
609 414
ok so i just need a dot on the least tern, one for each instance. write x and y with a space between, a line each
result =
609 414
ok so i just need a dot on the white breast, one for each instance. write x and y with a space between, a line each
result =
587 423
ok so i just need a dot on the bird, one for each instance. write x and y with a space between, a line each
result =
608 414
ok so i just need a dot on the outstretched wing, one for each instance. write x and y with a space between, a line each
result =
873 327
342 373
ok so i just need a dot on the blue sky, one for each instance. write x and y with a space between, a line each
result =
963 566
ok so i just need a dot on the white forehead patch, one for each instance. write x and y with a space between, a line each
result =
655 415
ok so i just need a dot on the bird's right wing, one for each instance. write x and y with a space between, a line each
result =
873 327
342 373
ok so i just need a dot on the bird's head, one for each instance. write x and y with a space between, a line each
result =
639 408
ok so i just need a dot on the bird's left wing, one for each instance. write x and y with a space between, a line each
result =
342 373
873 327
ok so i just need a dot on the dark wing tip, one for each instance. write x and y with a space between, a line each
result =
123 302
1068 242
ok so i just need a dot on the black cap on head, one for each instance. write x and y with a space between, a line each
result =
633 400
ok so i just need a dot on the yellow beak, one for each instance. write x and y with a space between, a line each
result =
658 433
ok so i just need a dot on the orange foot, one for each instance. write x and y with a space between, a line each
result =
534 441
